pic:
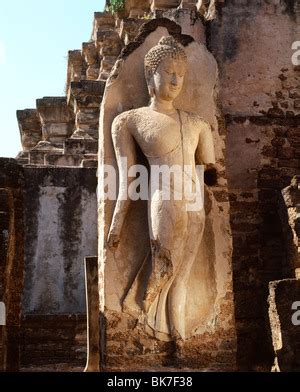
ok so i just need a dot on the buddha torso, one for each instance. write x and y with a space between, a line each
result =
163 138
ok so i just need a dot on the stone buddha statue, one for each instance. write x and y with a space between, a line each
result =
167 137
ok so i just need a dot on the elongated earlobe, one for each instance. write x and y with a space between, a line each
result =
151 90
149 79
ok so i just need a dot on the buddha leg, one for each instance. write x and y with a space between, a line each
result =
162 271
177 296
164 228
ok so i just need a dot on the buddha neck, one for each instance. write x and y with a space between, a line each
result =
162 106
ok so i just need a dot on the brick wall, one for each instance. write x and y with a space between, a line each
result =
53 342
3 252
12 258
259 95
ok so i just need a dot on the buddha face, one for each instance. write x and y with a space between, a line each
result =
166 83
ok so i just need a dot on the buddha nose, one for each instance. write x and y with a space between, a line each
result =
174 80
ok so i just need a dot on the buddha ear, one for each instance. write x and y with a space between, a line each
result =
151 89
150 81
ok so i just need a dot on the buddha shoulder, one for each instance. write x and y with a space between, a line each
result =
196 119
131 118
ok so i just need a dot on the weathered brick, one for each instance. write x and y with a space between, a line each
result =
278 141
269 151
244 227
53 340
295 141
275 112
286 152
221 196
268 195
284 104
293 132
280 132
289 163
297 104
244 206
294 94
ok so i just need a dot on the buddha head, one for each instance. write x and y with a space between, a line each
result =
165 67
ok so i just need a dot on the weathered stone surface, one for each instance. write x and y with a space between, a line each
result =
62 160
53 342
103 21
90 162
109 45
257 89
57 119
37 155
60 230
164 4
80 146
4 236
190 22
257 79
23 157
257 259
92 59
30 128
136 8
128 28
188 5
86 97
285 333
76 70
36 158
290 218
11 267
92 304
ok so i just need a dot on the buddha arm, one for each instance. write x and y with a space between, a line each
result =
125 151
205 153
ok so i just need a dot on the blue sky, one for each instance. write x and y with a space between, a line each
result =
35 37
